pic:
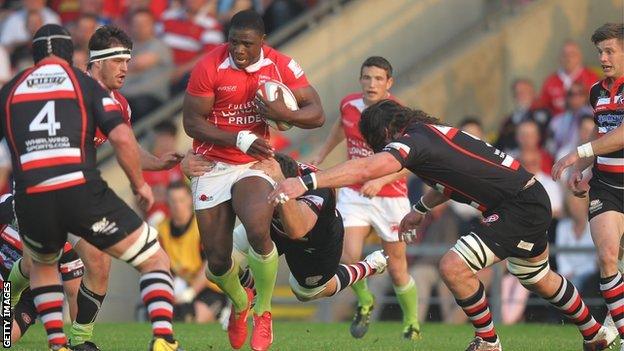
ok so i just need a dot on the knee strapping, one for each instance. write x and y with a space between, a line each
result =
45 258
304 294
474 252
528 273
143 248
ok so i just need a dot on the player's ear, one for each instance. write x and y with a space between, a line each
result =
389 83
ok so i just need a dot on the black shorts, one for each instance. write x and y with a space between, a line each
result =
518 227
603 198
314 260
91 210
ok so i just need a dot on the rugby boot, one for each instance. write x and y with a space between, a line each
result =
237 323
85 346
377 260
262 335
604 339
478 344
359 325
411 333
160 344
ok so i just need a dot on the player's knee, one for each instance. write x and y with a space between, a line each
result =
452 267
143 248
219 264
398 272
46 258
528 273
302 293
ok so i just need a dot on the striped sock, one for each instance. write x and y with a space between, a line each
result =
477 309
49 303
157 295
568 301
349 274
612 289
246 279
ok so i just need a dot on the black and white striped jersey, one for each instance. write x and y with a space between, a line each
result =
459 165
49 114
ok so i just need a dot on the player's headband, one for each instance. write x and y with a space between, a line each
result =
105 54
49 38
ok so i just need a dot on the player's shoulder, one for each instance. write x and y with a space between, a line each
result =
351 98
217 57
275 55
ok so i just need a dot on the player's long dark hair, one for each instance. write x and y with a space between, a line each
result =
382 120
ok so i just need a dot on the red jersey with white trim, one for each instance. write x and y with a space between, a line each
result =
49 115
234 91
119 103
608 107
460 166
351 108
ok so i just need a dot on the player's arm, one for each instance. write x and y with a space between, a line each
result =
372 187
150 162
128 154
194 110
71 287
612 141
336 135
310 113
297 218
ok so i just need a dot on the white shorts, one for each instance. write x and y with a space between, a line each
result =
384 214
215 187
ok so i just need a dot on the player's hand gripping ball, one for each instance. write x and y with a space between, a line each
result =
273 90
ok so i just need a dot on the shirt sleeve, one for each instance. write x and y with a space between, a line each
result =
201 82
408 151
316 199
106 111
292 74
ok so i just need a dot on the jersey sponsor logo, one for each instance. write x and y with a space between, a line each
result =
204 197
403 149
525 245
71 266
313 280
104 227
227 88
490 219
45 81
595 205
295 68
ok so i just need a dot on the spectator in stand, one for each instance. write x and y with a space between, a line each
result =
5 66
71 10
156 7
21 56
179 237
573 232
525 108
15 30
564 128
190 32
279 12
531 160
165 138
147 84
225 9
83 29
571 70
528 139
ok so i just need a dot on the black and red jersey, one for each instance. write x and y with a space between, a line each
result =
49 114
608 107
462 167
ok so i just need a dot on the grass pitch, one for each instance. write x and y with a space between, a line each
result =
305 336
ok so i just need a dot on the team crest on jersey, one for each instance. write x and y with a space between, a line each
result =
595 205
104 227
490 219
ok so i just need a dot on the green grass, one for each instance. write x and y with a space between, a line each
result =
302 336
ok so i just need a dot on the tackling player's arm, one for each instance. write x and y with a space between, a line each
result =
150 162
194 110
336 135
372 187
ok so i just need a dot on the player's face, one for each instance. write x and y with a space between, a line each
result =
375 84
611 55
113 72
245 46
180 204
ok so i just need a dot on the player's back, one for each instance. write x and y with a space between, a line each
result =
459 165
49 123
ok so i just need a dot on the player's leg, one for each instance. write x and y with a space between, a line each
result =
44 237
458 269
24 315
249 196
91 293
20 277
404 287
606 230
535 274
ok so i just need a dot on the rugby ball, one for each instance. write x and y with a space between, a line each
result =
268 90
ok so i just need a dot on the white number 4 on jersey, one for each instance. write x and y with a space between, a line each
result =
51 125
